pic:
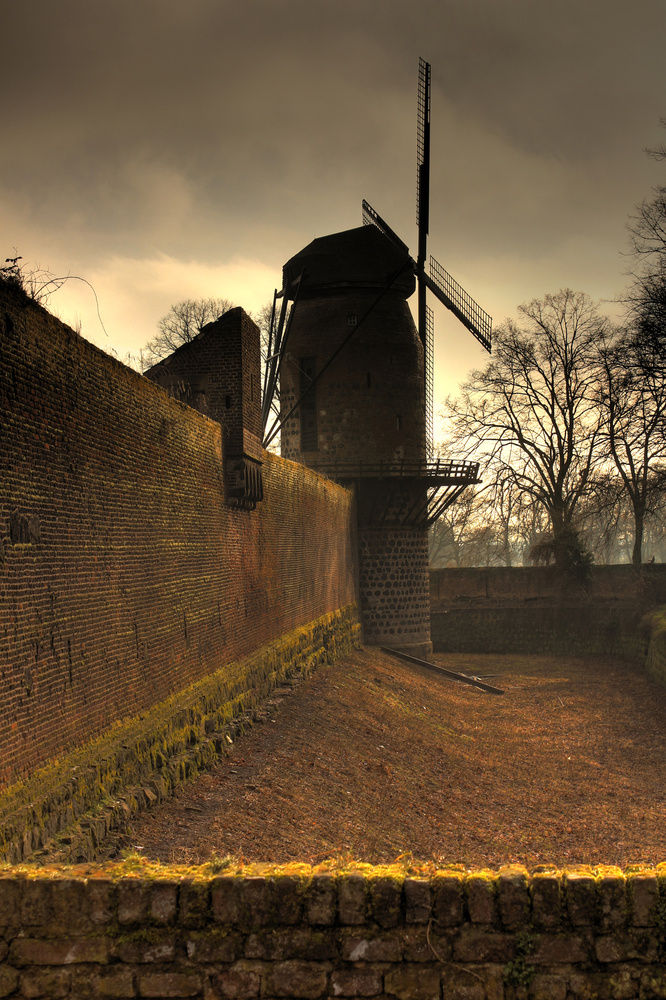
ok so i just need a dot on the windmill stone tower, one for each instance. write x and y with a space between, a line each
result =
363 419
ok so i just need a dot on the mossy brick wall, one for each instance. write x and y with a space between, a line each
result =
146 931
66 810
527 610
124 576
592 630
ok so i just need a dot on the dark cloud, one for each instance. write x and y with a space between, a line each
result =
210 129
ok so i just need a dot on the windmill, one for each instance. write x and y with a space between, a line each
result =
355 397
436 279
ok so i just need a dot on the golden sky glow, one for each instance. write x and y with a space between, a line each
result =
173 149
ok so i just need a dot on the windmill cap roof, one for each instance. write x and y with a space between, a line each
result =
356 258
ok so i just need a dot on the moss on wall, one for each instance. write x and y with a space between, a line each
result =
67 808
124 573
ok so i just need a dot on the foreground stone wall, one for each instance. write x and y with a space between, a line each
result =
145 931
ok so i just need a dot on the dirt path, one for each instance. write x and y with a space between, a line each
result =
374 758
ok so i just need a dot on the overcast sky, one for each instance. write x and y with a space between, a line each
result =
165 149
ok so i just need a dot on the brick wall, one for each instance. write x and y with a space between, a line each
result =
124 575
64 812
137 931
528 610
218 373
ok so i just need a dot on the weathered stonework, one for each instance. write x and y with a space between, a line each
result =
655 627
527 609
393 588
141 930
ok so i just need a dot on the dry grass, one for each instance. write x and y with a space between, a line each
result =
372 758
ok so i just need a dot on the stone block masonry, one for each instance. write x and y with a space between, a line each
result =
393 588
140 930
585 631
539 585
125 576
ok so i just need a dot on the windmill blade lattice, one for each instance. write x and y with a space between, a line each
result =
372 218
429 363
461 304
422 138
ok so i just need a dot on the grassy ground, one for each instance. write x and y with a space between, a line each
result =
372 758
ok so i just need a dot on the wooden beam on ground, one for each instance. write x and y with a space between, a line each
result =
442 670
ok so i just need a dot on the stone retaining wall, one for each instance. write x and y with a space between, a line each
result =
525 609
145 931
655 661
531 584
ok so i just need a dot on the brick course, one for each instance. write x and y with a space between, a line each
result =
124 575
526 609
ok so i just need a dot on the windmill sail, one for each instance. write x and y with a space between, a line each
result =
429 367
422 187
372 218
277 341
462 305
423 145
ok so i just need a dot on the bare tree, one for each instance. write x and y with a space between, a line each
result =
533 410
186 319
182 323
492 524
632 394
449 535
604 517
646 300
519 522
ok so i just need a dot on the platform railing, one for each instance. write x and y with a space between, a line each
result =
440 470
